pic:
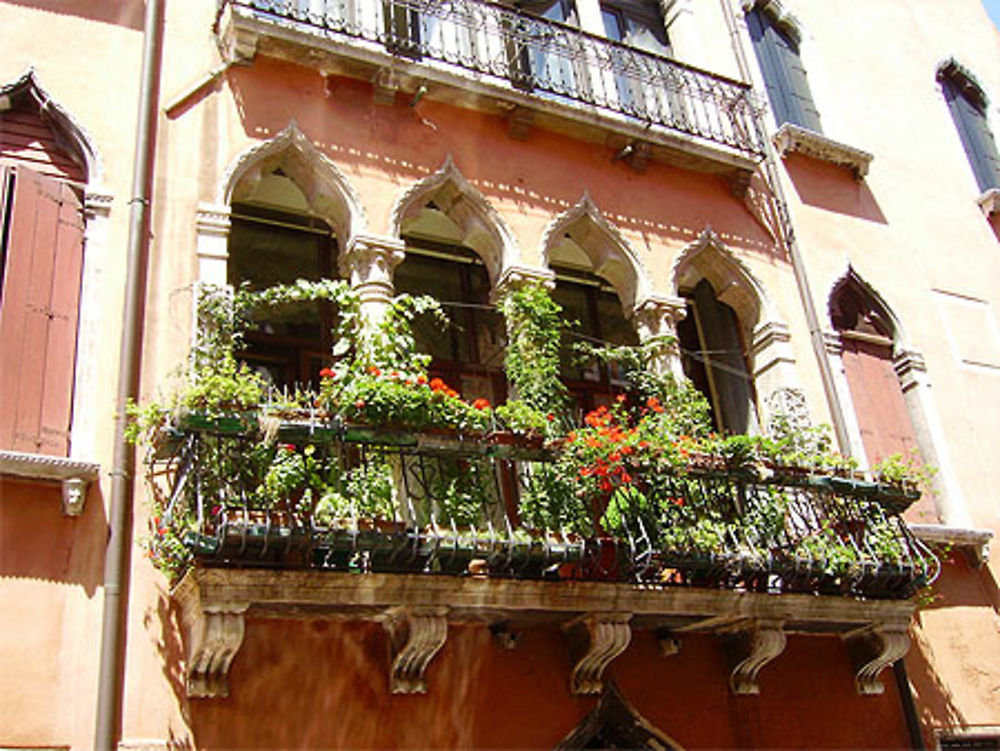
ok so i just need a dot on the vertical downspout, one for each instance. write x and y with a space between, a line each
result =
819 347
117 555
794 255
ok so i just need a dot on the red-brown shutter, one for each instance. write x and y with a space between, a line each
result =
43 256
880 407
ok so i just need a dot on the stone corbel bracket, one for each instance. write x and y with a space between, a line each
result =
74 475
213 634
214 638
596 639
752 645
873 649
975 543
795 139
989 202
416 634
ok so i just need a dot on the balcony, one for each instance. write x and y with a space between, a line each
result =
532 70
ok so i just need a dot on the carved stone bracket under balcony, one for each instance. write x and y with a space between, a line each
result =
874 649
214 637
751 647
596 639
417 634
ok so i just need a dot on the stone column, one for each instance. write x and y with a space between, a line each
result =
368 263
658 316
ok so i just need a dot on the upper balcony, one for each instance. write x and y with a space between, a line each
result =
531 70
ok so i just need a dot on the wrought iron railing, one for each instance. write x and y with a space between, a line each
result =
531 54
329 496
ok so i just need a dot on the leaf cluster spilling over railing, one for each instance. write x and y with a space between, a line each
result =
325 495
501 45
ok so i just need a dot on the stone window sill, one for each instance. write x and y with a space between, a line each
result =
794 139
74 475
989 202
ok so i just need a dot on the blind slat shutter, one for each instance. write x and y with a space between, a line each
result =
784 75
974 132
38 318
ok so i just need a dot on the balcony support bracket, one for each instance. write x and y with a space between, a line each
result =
754 644
213 638
595 640
416 635
874 649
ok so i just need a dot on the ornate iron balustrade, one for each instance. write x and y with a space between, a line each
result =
532 54
336 497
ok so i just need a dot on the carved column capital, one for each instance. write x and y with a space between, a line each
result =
97 202
514 277
751 648
416 634
598 638
874 649
658 316
911 368
213 219
368 262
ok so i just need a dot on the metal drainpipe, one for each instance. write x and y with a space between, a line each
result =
826 372
117 555
794 255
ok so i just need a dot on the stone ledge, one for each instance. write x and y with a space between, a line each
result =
74 475
989 202
976 542
791 138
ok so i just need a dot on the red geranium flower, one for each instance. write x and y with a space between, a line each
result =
327 373
374 371
481 404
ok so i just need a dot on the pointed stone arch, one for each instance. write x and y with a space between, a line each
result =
610 256
883 317
615 723
325 187
69 134
710 258
479 225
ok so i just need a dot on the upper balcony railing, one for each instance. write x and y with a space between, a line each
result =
521 53
324 495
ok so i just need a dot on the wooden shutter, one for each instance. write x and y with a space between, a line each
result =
974 131
43 256
783 72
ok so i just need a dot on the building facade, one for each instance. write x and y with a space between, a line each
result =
810 208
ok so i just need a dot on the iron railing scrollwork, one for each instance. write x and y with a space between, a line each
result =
375 500
549 59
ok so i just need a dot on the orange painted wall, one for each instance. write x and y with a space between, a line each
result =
50 572
324 684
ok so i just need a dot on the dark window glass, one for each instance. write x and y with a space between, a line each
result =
784 75
597 313
290 343
467 352
714 358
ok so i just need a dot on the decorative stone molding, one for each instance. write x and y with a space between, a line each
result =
780 15
771 347
787 411
753 646
486 231
611 257
515 277
78 141
213 219
965 79
989 202
74 475
975 542
910 367
97 203
873 649
600 637
326 188
237 41
212 224
708 257
794 139
417 634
